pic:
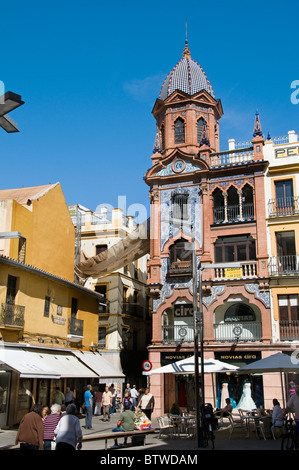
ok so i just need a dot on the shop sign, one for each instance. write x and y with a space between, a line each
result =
170 357
183 310
287 152
246 357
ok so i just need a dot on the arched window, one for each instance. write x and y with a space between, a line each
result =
180 258
179 131
239 313
162 130
218 206
180 206
200 124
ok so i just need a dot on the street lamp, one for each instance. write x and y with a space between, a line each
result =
199 325
8 102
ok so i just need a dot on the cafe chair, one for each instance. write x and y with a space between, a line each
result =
165 426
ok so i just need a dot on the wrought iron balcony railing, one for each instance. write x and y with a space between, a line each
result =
223 332
177 334
283 207
284 265
238 331
12 315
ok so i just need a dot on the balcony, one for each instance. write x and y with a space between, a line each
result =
231 157
284 265
177 334
180 268
248 271
289 330
75 330
230 332
283 207
232 214
12 316
238 331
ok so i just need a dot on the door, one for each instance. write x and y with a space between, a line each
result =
284 197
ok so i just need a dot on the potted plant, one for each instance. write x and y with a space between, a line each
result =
175 409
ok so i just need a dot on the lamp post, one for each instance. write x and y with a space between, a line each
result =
198 318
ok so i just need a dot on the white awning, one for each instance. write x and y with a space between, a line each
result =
26 363
100 366
66 365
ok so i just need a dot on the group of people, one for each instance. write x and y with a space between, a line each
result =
278 414
57 429
105 402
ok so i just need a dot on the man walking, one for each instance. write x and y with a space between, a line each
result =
147 403
106 403
88 407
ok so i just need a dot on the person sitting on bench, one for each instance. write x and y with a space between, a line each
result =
126 423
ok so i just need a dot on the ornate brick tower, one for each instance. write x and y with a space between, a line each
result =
216 199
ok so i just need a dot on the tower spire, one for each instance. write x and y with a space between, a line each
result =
186 53
257 125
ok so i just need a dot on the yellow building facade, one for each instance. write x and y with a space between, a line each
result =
282 183
45 317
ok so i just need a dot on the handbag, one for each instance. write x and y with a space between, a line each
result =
53 444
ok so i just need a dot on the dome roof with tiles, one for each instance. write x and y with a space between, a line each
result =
187 76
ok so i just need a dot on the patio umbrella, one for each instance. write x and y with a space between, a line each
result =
278 362
186 366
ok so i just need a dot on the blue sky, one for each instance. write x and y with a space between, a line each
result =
90 72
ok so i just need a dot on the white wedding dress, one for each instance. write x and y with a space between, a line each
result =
246 402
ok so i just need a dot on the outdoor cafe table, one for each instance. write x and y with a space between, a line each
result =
251 417
181 424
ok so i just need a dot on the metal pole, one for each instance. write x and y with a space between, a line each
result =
195 328
201 344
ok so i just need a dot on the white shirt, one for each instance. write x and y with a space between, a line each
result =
68 430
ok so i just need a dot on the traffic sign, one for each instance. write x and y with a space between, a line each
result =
146 365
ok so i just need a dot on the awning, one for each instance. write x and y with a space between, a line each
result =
26 363
66 365
104 370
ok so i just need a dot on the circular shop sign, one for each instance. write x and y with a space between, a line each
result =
147 365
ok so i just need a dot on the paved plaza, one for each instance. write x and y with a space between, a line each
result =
155 444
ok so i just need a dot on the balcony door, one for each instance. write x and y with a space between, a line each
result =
286 251
11 290
284 197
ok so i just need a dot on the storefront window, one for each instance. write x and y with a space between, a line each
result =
4 394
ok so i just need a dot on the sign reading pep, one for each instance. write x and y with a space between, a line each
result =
287 152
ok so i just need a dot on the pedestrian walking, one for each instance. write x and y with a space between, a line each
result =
88 400
147 403
98 402
68 431
106 403
134 395
31 430
50 423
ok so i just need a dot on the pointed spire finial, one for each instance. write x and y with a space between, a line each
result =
186 53
257 125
